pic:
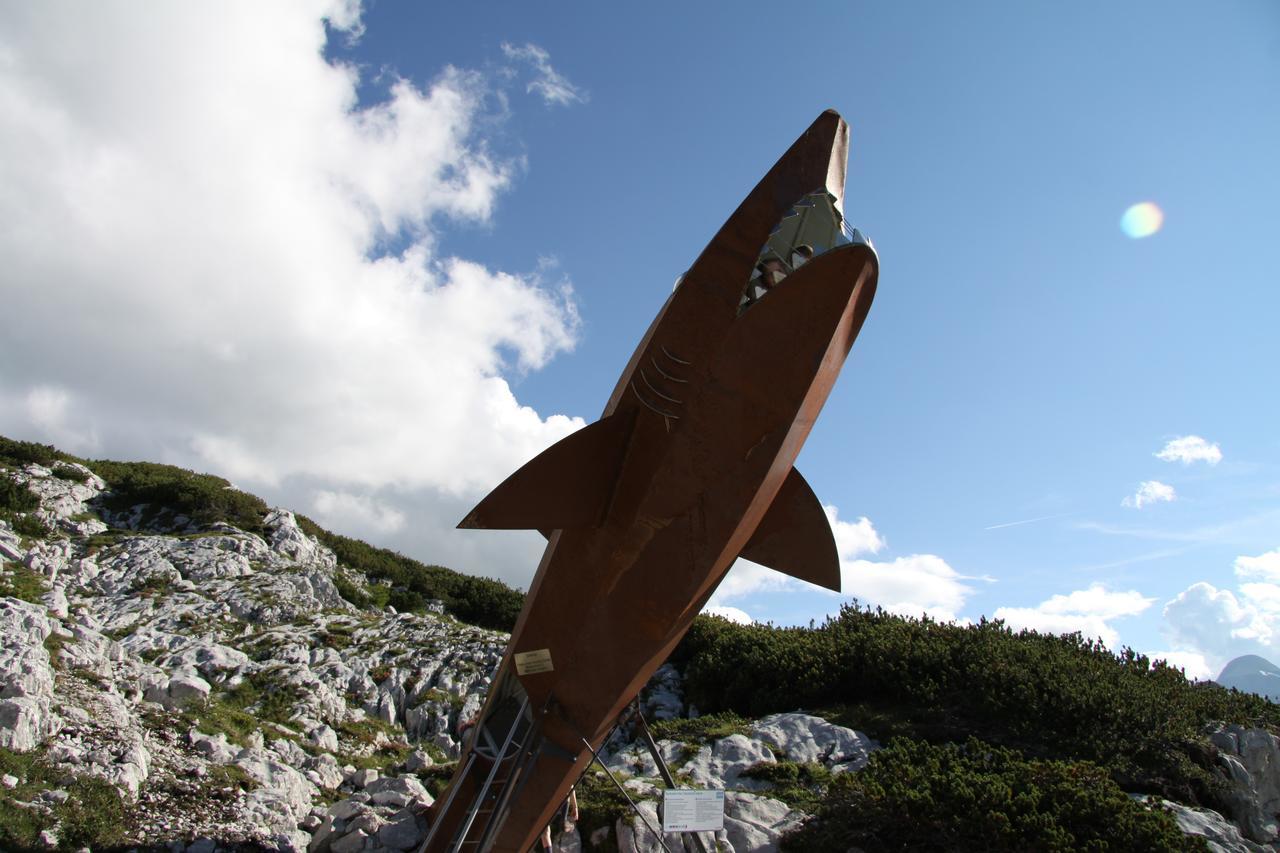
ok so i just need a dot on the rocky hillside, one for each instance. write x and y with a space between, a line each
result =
184 668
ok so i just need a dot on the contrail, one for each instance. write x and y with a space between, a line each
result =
1027 521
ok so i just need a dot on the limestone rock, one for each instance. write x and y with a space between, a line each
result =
721 765
1252 759
1220 834
805 738
26 676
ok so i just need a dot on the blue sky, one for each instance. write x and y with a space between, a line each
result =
1022 366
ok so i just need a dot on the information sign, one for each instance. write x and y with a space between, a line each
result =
531 663
692 811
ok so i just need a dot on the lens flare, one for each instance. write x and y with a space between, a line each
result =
1142 220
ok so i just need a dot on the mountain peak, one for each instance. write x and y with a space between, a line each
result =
1252 674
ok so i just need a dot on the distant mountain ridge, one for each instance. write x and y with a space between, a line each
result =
1252 674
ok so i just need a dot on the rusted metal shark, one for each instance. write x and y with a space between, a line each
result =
689 468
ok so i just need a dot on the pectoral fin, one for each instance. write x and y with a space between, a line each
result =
795 538
567 485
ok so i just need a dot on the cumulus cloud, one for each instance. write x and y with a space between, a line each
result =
1265 566
853 538
1190 448
1192 663
1218 624
915 585
194 231
1089 611
1221 624
360 508
733 614
551 85
1150 492
911 585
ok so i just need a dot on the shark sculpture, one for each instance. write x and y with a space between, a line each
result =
688 469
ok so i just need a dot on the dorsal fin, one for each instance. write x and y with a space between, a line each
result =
795 538
567 485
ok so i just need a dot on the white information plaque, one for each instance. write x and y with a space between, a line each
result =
692 811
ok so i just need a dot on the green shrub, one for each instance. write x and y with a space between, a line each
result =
18 454
1053 696
203 498
30 525
600 804
16 497
66 472
979 797
476 601
17 506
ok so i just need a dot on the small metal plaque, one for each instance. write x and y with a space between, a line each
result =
531 663
692 811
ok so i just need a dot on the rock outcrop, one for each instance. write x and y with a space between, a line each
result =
218 682
218 679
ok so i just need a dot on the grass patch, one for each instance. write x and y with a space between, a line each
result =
54 644
231 776
152 586
705 729
90 676
436 777
17 581
374 744
240 711
600 804
799 785
92 816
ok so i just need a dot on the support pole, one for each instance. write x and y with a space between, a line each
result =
663 770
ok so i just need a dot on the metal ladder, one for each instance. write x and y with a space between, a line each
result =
490 802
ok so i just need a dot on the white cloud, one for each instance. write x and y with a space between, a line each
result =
733 614
911 585
853 539
198 259
1190 448
1219 625
53 410
551 85
1150 492
1089 611
746 578
1192 663
1265 566
341 509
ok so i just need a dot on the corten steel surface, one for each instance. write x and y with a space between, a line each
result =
689 468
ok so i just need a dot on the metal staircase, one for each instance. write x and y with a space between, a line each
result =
506 744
